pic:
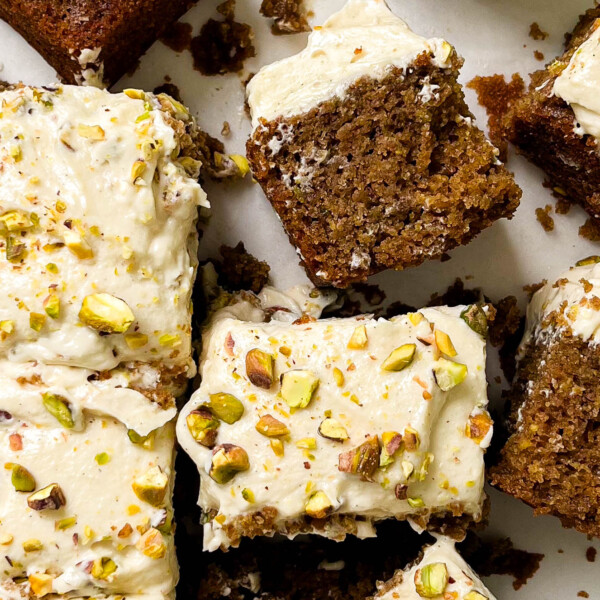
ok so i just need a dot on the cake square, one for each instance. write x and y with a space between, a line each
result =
328 426
549 459
86 485
439 572
98 203
365 147
556 124
92 42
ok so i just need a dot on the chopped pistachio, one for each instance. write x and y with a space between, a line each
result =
15 220
260 368
473 595
241 163
298 388
359 339
58 407
269 426
363 460
478 426
415 502
431 580
103 568
248 495
65 523
146 441
391 442
333 430
36 321
226 407
135 94
151 487
41 584
7 327
6 539
474 316
227 461
169 339
106 313
449 374
103 458
338 377
203 426
415 318
77 245
399 358
444 343
277 446
52 305
91 132
136 340
307 444
51 498
590 260
319 505
411 439
33 545
138 169
15 250
152 544
22 479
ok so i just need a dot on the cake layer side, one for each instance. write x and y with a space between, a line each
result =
98 203
87 479
315 426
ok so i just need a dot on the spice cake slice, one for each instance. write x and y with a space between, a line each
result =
365 147
92 41
556 124
328 426
98 204
85 488
441 572
551 459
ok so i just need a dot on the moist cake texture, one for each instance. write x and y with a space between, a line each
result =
92 41
548 461
97 224
367 151
440 572
86 484
327 426
557 123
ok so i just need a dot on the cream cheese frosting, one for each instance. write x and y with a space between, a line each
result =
364 38
95 202
573 300
462 584
443 467
579 82
107 538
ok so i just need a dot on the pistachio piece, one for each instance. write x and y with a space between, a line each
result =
41 584
590 260
6 328
269 426
136 340
36 321
226 407
103 568
203 426
65 523
307 444
473 595
277 446
359 339
400 491
415 502
15 220
151 487
137 170
338 377
52 305
449 374
431 580
248 496
33 545
318 506
59 408
391 442
77 245
363 460
227 461
411 439
49 498
152 544
91 132
22 479
260 368
399 358
415 318
444 343
478 426
298 387
333 430
146 441
241 163
474 316
106 313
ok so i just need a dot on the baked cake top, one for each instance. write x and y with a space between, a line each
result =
579 82
364 416
86 496
363 39
97 223
441 572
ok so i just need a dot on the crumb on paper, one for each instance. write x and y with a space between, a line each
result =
289 16
239 270
170 89
583 594
226 129
536 32
532 288
497 95
590 554
590 230
544 218
538 55
222 46
177 36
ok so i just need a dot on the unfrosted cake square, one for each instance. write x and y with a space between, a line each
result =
365 147
328 426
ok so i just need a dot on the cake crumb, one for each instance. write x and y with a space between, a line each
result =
170 89
583 594
289 16
590 554
497 95
178 36
226 129
538 55
590 230
536 33
532 288
222 46
239 270
544 218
